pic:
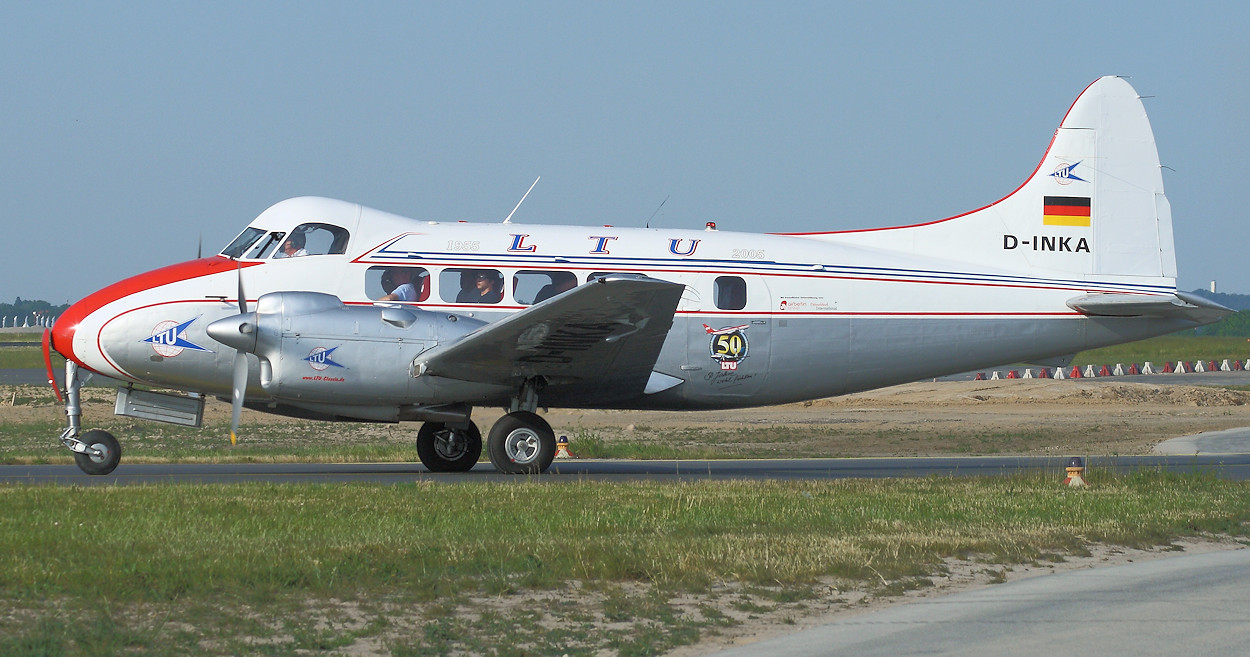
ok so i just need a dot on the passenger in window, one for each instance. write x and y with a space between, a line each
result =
487 288
561 282
293 247
468 285
404 289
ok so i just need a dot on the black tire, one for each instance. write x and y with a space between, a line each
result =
105 463
446 449
521 443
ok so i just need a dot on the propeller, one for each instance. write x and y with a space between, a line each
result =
238 332
239 380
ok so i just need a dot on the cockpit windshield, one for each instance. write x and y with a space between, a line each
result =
306 239
240 243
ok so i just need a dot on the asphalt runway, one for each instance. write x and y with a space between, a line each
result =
1229 466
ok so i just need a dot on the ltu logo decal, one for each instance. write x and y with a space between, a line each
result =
169 338
320 359
1064 176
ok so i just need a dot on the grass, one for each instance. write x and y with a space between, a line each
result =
15 358
574 567
1169 348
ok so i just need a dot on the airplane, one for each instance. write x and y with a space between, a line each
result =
354 314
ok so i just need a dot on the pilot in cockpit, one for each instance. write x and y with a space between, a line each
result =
293 247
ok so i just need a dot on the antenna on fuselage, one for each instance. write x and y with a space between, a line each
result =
508 219
657 211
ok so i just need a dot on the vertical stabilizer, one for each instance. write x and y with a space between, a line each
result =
1093 208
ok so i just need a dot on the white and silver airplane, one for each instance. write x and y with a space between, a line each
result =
359 314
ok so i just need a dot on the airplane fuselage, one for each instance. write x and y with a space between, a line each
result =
764 319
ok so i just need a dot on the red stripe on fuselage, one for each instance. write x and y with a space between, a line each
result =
63 330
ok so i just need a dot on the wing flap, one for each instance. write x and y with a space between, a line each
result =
606 333
1178 306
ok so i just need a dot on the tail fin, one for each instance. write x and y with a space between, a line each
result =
1094 207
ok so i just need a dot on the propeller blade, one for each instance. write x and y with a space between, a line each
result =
47 362
242 295
236 396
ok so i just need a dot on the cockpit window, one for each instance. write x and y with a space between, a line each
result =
266 246
313 239
240 243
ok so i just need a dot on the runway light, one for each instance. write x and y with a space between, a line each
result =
1076 472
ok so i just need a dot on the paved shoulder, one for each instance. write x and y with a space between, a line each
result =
1229 441
1190 604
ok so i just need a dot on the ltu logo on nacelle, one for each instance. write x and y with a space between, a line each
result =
320 359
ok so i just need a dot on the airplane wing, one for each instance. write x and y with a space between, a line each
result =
1180 306
605 334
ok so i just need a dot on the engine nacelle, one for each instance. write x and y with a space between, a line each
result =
313 348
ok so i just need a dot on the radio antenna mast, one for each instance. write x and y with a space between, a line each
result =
508 219
657 210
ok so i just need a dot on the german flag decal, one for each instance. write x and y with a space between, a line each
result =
1066 211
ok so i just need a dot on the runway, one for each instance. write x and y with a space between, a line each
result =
1228 466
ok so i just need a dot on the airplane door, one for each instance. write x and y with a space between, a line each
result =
732 343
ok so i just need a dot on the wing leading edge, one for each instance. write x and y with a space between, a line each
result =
604 335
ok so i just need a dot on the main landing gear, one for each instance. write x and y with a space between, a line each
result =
444 448
521 442
96 452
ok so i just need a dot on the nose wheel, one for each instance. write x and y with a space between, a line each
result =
103 455
521 443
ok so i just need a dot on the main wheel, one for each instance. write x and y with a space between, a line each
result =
110 453
447 449
521 443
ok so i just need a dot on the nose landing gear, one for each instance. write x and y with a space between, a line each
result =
96 452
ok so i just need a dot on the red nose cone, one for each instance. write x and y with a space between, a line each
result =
63 332
65 327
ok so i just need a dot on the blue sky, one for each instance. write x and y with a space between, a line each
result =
129 130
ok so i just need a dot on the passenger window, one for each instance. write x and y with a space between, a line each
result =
730 293
470 286
397 284
529 287
313 239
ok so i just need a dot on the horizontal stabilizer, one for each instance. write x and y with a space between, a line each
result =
1179 306
603 334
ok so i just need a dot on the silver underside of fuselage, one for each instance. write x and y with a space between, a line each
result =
780 359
